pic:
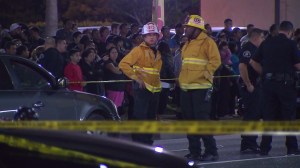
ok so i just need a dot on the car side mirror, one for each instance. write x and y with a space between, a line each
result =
62 82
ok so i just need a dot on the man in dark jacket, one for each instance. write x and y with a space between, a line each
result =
53 60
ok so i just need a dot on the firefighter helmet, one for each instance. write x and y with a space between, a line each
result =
195 21
150 27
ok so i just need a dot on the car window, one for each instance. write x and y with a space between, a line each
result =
5 82
28 78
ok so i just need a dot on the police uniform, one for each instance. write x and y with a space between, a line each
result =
251 101
144 63
278 55
200 59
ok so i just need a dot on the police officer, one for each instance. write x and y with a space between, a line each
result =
143 65
249 87
276 59
200 59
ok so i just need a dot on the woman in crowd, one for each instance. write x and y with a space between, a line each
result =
91 72
114 91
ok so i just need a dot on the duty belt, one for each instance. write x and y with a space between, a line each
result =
279 76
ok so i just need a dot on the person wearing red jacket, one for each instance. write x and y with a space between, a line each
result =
73 71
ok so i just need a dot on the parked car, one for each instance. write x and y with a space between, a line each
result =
25 83
45 148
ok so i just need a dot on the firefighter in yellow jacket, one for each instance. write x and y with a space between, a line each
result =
200 58
143 65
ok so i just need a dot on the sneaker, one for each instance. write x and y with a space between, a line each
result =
194 157
209 157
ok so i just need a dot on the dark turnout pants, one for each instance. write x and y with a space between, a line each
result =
252 111
145 108
280 104
194 107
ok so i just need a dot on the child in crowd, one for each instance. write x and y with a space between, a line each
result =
73 71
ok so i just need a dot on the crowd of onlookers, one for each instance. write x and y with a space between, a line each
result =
93 55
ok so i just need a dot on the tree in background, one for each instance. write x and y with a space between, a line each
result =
129 11
25 11
137 11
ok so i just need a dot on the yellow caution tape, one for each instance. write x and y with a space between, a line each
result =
170 127
61 153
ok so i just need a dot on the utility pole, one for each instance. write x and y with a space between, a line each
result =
277 12
154 11
158 13
51 17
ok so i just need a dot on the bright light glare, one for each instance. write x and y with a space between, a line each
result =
159 149
191 163
102 166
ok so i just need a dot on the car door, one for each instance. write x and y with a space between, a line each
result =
32 87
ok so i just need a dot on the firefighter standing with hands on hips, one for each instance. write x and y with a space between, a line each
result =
143 65
200 59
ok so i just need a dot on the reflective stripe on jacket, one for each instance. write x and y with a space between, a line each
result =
200 59
141 63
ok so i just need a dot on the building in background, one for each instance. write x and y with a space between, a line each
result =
261 13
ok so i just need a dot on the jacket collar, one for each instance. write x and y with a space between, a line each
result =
201 36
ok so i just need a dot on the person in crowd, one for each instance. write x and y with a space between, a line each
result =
96 38
49 42
209 31
53 60
67 31
227 28
35 38
221 37
136 39
166 36
250 87
296 34
75 42
273 31
236 36
175 39
83 42
88 33
177 68
276 60
234 88
114 32
201 54
114 91
143 65
18 42
167 72
104 33
91 72
225 53
233 47
124 29
225 103
134 29
119 43
36 53
15 32
73 71
10 48
245 38
22 51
